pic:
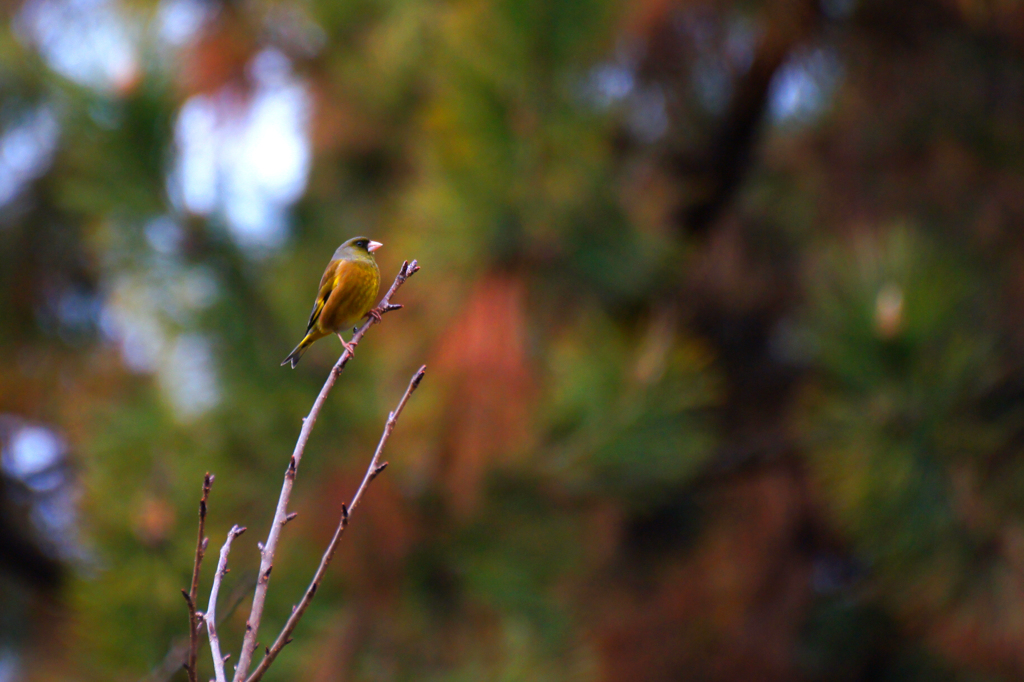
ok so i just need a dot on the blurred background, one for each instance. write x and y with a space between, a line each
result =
722 301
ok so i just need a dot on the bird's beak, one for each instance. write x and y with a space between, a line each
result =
374 246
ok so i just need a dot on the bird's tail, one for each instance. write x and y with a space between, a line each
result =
293 357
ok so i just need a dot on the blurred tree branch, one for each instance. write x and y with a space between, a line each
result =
719 168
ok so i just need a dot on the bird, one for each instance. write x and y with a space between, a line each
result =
346 295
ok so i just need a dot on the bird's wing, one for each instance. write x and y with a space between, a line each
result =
327 284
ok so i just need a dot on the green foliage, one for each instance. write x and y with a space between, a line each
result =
899 331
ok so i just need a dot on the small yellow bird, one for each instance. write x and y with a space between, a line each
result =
347 293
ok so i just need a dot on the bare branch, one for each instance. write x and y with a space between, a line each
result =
371 473
194 619
281 513
211 611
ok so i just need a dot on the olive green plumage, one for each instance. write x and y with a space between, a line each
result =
347 293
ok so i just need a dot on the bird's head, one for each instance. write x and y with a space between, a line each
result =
356 247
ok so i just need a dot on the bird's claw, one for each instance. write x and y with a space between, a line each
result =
350 347
375 315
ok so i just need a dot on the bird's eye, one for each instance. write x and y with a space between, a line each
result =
362 243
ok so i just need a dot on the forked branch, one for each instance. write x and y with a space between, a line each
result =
371 473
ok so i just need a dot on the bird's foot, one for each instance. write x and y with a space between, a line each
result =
350 347
375 314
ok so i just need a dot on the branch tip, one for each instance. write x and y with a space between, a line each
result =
211 614
194 617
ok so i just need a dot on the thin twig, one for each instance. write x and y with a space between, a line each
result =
371 473
211 611
190 597
252 625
